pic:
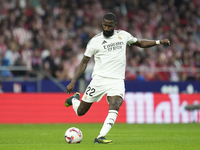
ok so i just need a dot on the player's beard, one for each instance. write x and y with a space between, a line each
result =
108 33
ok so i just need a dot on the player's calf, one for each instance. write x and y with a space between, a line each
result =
83 108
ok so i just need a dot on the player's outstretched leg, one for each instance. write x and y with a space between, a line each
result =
102 140
73 100
68 101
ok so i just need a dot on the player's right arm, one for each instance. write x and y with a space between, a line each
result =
79 71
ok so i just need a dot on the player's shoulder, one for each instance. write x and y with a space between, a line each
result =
96 38
121 32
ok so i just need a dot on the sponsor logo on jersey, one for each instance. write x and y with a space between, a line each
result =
113 46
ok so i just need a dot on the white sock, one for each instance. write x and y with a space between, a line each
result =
108 123
75 104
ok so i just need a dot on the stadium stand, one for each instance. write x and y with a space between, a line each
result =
52 35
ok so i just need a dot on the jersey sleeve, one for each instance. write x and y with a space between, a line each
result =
90 49
131 39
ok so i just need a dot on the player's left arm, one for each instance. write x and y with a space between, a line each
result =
149 43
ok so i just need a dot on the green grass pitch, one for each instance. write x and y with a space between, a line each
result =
125 137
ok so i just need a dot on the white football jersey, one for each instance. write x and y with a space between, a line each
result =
110 53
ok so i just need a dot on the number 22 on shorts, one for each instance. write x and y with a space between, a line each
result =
90 91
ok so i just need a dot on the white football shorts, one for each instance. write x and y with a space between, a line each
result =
100 86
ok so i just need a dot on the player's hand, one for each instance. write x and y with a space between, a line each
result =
165 42
70 88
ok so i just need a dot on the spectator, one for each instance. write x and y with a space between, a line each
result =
62 71
5 73
1 86
196 56
148 68
20 33
131 72
3 46
36 60
174 68
12 53
68 25
190 72
26 54
49 63
162 74
72 64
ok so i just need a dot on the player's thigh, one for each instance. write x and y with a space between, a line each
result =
94 92
116 87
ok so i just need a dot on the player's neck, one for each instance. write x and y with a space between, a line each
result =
108 34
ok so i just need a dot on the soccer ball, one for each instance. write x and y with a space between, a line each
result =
73 135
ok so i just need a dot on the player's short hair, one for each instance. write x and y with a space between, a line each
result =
110 16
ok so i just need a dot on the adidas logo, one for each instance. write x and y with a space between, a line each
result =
110 124
104 42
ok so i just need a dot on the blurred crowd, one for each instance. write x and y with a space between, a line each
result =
52 35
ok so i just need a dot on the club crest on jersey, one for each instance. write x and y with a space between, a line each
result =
119 37
85 97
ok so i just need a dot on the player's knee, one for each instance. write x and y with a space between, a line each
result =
114 106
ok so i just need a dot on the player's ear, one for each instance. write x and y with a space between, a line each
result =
115 24
102 25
